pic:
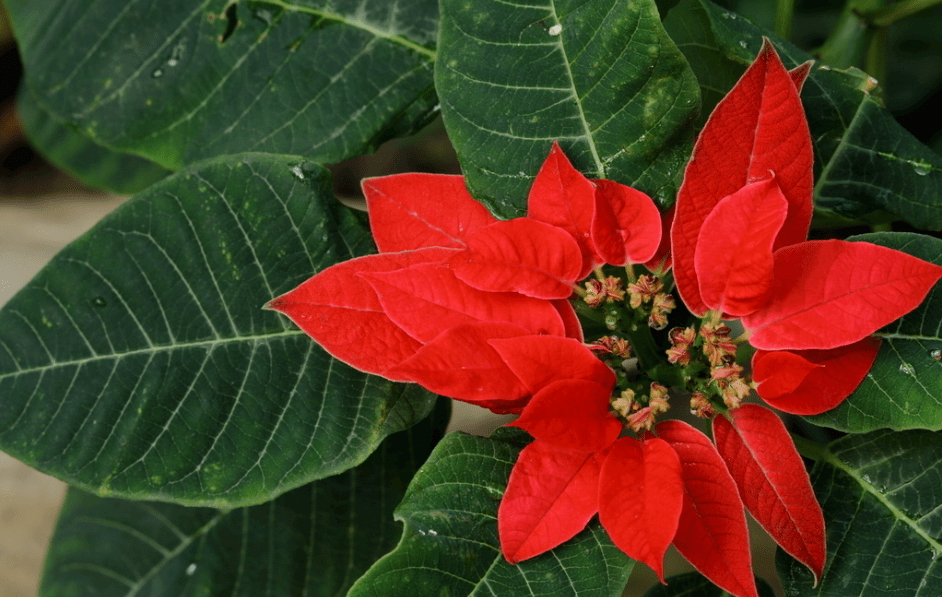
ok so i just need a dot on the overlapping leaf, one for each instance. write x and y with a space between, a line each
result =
79 155
904 387
602 77
848 125
177 81
882 495
139 363
450 543
315 540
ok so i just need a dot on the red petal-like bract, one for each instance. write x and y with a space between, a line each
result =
800 73
733 257
758 128
460 363
572 414
563 197
773 482
831 293
426 299
521 255
341 312
641 493
662 260
412 211
712 533
571 321
540 360
626 226
810 382
552 494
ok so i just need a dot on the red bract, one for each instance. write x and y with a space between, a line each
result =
739 249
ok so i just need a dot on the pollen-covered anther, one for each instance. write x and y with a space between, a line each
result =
594 293
700 406
642 291
733 390
625 403
717 344
663 305
681 339
614 345
658 398
614 289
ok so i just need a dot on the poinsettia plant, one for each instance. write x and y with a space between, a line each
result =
217 365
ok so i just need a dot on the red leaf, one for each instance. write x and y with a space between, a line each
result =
552 494
662 261
733 257
520 255
809 382
563 197
641 494
759 127
412 211
773 482
461 364
342 313
540 360
800 73
831 293
712 534
570 319
626 226
426 299
572 414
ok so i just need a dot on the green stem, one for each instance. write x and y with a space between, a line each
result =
643 346
784 9
888 15
809 449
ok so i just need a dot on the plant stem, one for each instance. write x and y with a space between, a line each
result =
808 448
896 11
784 9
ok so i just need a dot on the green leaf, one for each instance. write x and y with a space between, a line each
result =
140 363
881 494
450 545
315 540
77 154
904 387
177 81
694 584
866 163
602 77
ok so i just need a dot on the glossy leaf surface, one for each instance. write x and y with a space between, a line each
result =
315 540
450 542
772 481
602 77
881 494
177 82
903 389
80 156
140 363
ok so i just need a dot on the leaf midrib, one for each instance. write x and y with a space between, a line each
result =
152 349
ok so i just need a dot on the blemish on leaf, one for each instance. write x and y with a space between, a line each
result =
232 21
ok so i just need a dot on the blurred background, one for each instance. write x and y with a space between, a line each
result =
42 209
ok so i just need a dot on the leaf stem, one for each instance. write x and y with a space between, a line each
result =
897 11
809 449
784 9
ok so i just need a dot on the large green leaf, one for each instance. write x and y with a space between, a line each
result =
904 388
80 156
315 540
176 80
867 164
139 362
882 497
694 584
450 545
600 76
